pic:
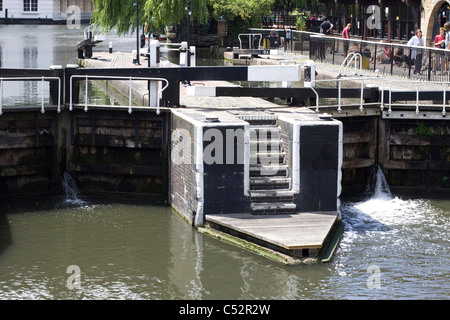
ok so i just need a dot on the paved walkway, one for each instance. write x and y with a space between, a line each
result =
332 71
324 71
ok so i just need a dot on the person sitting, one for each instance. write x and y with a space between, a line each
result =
384 54
400 59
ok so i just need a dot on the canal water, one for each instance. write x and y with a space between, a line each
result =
394 246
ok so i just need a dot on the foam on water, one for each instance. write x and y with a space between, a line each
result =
70 190
381 209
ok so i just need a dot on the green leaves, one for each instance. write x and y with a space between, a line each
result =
171 12
245 10
121 14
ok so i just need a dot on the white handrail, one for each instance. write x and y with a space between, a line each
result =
43 78
86 77
416 84
350 57
249 39
361 108
115 57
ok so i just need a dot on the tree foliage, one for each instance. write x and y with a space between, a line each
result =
241 14
244 10
121 14
171 12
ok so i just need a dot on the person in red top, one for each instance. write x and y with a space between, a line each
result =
346 35
439 42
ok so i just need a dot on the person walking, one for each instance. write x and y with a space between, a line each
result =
346 35
416 54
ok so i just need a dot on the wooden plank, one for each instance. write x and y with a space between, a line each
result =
297 231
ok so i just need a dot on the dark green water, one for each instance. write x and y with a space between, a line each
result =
392 248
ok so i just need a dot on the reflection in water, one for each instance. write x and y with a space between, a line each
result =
130 250
30 57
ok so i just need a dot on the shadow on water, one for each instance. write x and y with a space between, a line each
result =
5 233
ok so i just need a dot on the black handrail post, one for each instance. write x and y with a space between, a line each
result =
292 39
409 64
68 72
429 64
392 59
375 57
56 87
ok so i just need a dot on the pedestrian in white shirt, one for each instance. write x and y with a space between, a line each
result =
416 54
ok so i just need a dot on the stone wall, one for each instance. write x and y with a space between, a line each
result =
28 153
315 161
208 170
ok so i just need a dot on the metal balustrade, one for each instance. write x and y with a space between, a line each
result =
42 79
130 79
434 60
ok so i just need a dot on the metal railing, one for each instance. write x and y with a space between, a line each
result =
339 86
116 57
434 65
251 38
130 79
355 57
417 85
42 79
390 90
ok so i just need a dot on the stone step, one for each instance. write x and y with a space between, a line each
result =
260 119
266 208
266 146
268 158
268 170
272 196
265 133
269 183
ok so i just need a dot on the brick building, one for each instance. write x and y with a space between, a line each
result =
49 11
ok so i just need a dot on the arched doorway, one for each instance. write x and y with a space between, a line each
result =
439 15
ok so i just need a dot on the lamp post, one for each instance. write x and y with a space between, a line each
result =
188 31
136 61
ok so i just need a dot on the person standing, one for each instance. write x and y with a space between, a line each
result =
346 35
447 44
416 54
326 27
439 42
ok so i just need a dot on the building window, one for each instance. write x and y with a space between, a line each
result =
1 5
30 5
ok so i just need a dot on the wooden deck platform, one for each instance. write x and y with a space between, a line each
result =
299 235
